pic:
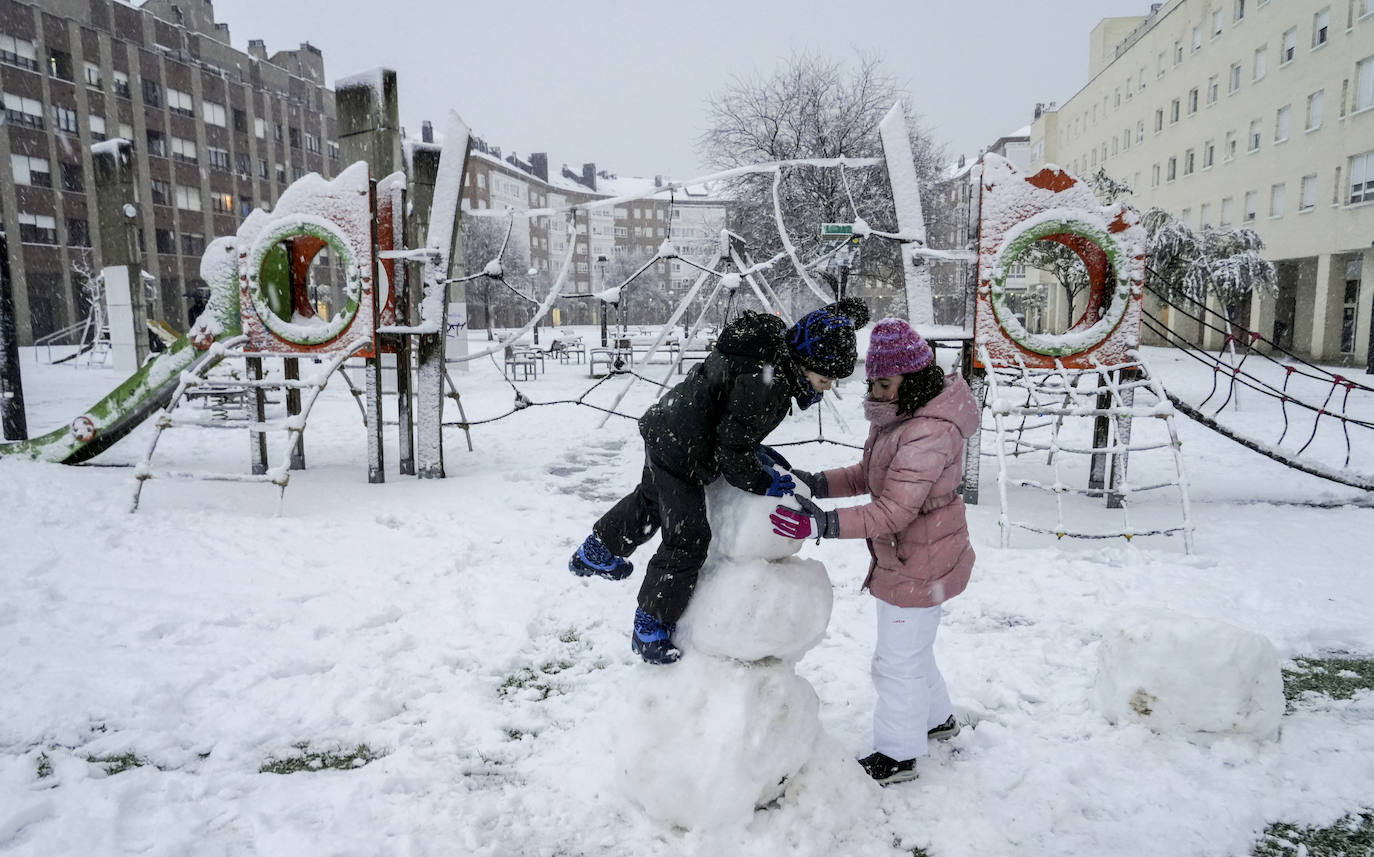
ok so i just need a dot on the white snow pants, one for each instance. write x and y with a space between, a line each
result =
912 697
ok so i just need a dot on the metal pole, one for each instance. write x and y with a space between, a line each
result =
12 420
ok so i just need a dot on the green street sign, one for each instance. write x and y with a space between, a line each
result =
837 230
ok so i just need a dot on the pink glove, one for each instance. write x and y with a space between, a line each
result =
811 521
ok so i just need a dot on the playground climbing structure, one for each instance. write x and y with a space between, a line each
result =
1069 400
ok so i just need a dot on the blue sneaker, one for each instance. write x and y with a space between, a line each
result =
650 640
595 558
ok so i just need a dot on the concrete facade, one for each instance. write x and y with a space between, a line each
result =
216 132
1244 113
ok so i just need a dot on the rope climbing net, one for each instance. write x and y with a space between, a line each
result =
1042 411
1306 413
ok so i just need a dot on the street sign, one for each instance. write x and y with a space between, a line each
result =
837 230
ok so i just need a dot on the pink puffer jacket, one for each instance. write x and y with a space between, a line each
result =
915 525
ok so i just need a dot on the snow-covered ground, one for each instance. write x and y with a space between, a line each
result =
436 623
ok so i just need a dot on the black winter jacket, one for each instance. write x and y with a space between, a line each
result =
712 423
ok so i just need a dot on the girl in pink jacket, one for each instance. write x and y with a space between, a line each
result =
917 534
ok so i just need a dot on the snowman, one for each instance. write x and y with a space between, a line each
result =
724 730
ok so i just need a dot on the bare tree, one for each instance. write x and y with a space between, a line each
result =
812 106
483 241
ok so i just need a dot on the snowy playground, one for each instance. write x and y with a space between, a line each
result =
162 667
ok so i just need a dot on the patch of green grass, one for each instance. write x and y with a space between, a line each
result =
117 764
1336 677
536 679
44 766
1352 836
318 760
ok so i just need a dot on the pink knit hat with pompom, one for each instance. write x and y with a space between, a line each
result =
895 349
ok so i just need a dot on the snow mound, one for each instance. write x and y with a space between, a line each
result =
1181 674
755 609
712 740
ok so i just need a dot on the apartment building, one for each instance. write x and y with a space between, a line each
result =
1255 113
612 241
216 133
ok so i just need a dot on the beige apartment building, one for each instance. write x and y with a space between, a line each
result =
1255 113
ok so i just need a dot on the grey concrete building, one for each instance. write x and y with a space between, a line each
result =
216 132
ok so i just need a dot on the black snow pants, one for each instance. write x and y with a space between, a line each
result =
663 500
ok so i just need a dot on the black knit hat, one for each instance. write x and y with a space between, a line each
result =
823 340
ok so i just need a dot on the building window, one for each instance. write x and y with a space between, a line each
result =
18 52
1161 64
262 168
162 192
165 241
92 74
1321 25
1362 178
1209 154
1140 131
1314 111
1234 80
222 203
72 178
152 93
312 143
245 206
260 128
241 164
1240 9
1217 19
1188 161
1212 87
1251 202
281 174
60 65
1197 38
218 158
184 150
1228 211
180 102
1173 111
78 232
1192 101
1308 192
187 197
294 134
1229 147
1186 217
1178 53
192 244
31 171
1364 84
64 119
1277 194
214 114
1205 214
334 152
240 121
276 131
121 83
1351 304
1172 172
37 228
1290 46
1159 120
1283 121
1261 61
97 127
1254 135
23 111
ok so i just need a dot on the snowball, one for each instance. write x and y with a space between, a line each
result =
755 609
1176 673
740 528
710 740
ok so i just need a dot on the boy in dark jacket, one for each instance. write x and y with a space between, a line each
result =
713 424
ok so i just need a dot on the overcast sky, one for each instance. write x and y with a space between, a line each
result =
623 82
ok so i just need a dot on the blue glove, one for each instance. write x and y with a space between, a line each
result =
771 458
781 484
